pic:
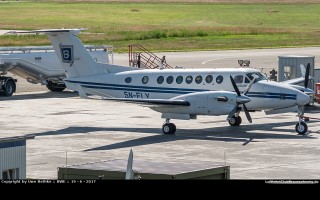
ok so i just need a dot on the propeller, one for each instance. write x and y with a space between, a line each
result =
306 82
241 99
306 77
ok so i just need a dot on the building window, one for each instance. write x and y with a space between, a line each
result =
209 79
10 174
189 79
160 79
170 79
219 79
128 80
145 80
179 79
198 79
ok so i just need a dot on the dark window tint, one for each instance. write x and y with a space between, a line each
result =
209 79
219 79
160 79
179 79
189 79
170 79
238 79
246 80
198 79
145 80
128 80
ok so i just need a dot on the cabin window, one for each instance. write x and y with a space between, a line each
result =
238 79
145 80
128 80
179 79
209 79
169 79
189 79
160 79
219 79
198 79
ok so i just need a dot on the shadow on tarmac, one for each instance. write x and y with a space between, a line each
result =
44 95
244 134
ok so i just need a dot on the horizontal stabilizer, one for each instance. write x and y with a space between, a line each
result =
152 101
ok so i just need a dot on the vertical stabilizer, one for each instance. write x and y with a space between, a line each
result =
74 57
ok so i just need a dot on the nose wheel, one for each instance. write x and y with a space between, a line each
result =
301 126
168 128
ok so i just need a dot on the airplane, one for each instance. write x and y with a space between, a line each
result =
176 93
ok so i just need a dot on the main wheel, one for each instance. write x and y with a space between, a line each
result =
9 88
235 121
55 87
169 128
301 128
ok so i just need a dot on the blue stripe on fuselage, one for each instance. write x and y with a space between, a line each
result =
175 90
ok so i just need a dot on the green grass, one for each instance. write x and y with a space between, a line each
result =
168 26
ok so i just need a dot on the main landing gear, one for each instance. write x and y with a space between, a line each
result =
235 121
168 128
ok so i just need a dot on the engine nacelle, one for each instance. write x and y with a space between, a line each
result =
203 103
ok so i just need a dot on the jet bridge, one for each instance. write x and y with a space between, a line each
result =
39 64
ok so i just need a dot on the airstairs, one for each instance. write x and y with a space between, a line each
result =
140 57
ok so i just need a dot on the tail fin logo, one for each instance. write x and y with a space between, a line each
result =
66 53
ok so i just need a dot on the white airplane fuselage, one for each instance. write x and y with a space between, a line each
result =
170 83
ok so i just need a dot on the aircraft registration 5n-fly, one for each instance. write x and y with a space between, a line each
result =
176 93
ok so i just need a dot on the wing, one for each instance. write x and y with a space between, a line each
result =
152 101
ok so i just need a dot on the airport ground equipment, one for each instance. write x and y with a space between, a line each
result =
141 57
318 92
40 64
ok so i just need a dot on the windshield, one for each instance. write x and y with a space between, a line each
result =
257 75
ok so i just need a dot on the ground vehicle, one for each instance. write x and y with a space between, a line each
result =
39 64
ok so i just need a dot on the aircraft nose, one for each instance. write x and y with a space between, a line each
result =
302 99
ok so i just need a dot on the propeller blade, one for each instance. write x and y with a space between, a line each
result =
235 87
233 111
247 113
246 90
303 70
306 78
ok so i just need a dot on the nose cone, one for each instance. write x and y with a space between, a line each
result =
302 99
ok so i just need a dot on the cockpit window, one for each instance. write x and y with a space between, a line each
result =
257 75
238 79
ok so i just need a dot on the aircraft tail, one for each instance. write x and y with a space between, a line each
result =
74 57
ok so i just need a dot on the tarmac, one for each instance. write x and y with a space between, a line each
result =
70 130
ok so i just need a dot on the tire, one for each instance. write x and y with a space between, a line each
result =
9 88
235 121
169 128
55 87
301 128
